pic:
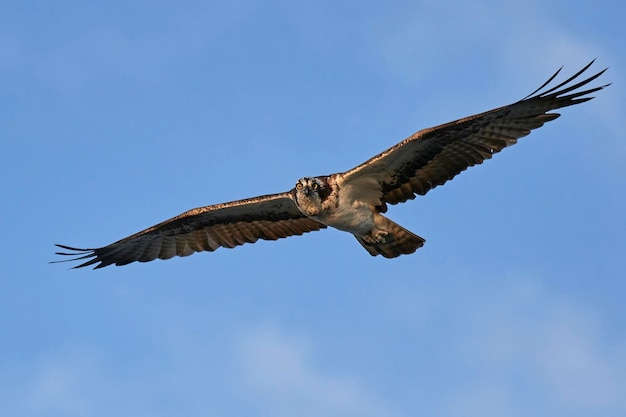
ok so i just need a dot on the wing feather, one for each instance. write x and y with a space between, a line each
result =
433 156
268 217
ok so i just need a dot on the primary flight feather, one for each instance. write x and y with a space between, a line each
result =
352 201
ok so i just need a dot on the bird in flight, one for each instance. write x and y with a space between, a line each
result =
353 201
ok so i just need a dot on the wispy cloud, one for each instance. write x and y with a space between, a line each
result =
549 347
429 35
279 371
580 367
506 48
61 387
513 347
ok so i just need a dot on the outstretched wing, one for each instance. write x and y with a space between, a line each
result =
433 156
268 217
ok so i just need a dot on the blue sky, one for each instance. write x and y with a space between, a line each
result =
116 116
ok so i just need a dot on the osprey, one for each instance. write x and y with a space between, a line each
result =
353 201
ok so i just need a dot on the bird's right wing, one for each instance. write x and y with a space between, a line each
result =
433 156
227 225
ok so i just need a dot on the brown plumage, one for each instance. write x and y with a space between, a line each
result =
268 217
353 200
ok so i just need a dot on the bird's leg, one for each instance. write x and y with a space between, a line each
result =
375 236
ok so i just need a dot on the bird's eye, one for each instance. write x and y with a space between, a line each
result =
315 186
298 186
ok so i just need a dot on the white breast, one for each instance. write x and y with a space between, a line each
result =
342 211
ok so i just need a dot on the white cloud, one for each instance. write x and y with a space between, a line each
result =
183 373
504 49
59 387
279 372
556 349
268 371
579 368
431 33
511 346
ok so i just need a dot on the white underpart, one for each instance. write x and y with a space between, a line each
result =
344 211
346 208
351 216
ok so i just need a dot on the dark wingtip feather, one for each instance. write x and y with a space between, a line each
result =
77 254
542 86
555 93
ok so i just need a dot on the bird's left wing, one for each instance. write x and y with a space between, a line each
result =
433 156
227 225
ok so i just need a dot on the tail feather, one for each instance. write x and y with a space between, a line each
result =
399 240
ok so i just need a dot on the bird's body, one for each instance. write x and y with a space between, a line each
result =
323 199
352 201
336 203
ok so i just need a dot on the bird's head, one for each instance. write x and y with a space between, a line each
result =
309 193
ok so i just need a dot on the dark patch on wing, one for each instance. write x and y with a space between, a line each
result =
268 217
